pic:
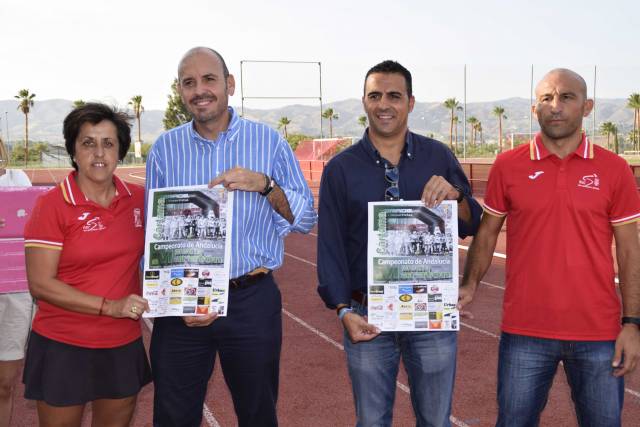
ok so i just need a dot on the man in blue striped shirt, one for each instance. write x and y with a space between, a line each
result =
272 199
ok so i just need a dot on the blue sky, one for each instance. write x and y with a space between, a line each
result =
112 50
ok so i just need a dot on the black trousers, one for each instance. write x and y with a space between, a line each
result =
248 341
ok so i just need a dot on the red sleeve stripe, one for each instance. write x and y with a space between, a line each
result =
626 219
36 243
493 211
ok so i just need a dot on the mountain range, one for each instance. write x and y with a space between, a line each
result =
431 118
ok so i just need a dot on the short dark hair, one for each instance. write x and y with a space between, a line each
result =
198 49
389 67
95 113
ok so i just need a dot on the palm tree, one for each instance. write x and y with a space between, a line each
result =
456 120
452 105
607 128
478 129
283 123
362 120
25 103
473 121
634 102
78 103
499 113
138 109
331 115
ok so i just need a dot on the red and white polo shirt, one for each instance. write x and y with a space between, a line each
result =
100 255
560 219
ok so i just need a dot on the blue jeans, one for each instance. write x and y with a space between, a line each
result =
526 368
430 361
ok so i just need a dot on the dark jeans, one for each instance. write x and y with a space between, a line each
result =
526 368
248 341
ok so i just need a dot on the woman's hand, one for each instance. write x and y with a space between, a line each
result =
131 306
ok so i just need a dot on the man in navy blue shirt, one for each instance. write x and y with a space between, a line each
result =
388 163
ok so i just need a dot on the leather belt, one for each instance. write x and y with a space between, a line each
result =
359 297
246 280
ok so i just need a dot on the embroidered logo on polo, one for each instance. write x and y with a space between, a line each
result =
137 218
94 224
591 182
535 174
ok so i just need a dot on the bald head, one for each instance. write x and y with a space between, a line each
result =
202 50
563 73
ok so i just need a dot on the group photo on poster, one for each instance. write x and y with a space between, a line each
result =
413 266
187 250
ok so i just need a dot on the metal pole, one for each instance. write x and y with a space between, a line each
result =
241 91
593 125
6 123
530 106
464 117
320 69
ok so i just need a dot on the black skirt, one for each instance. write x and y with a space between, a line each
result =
66 375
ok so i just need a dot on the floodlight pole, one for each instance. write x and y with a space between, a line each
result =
320 70
241 91
464 116
531 105
593 125
6 123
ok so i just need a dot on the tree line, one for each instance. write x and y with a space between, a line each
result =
176 114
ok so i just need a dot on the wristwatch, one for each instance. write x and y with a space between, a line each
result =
342 311
461 196
270 183
633 320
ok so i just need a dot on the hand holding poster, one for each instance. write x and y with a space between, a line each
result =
187 251
413 266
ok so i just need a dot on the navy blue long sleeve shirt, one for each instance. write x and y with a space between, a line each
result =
355 177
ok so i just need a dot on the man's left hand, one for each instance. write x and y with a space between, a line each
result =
627 350
436 190
240 179
200 321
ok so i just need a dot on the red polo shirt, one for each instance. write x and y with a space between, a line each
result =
101 250
560 214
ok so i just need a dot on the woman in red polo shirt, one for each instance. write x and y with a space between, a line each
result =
83 245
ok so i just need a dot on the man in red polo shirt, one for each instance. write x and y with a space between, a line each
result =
565 198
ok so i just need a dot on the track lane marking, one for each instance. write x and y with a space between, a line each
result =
340 347
206 412
474 328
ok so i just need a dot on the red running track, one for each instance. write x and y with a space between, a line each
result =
315 387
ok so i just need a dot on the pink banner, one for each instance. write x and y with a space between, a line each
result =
16 206
13 276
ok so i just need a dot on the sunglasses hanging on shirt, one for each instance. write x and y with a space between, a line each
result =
392 176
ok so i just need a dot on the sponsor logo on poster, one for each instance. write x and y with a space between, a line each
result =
405 297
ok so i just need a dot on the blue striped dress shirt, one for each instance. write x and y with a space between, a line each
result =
182 157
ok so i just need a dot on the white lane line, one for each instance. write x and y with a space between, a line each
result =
316 331
133 175
340 347
208 415
482 331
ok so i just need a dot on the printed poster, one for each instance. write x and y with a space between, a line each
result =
413 266
187 251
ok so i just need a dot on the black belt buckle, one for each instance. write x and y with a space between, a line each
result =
246 280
